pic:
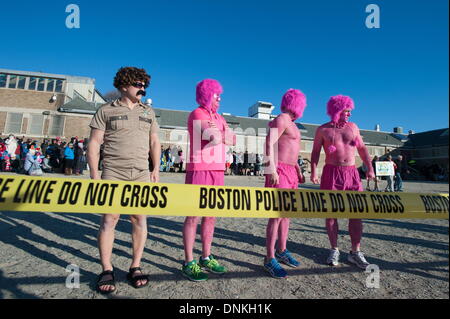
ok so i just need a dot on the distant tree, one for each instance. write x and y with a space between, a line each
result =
112 95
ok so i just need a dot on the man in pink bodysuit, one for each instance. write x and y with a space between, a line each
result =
208 134
340 138
283 171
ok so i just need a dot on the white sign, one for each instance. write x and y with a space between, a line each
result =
384 168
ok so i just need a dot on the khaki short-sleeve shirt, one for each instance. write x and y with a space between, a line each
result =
127 134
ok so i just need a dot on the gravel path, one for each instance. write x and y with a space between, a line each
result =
412 255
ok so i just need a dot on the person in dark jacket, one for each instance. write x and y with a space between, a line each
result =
400 172
80 158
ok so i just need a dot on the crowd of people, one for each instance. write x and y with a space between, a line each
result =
394 182
172 159
244 163
31 157
237 163
252 164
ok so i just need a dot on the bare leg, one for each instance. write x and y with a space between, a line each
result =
355 228
283 232
271 237
332 230
106 241
207 233
139 237
189 232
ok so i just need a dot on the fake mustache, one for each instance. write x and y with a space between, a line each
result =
141 92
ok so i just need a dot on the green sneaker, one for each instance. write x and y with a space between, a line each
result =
193 272
212 265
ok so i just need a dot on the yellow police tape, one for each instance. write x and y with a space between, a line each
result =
62 195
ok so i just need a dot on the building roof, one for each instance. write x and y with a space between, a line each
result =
78 105
178 119
428 139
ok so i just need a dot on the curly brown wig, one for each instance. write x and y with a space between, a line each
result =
126 76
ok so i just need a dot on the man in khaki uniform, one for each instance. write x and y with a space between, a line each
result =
129 132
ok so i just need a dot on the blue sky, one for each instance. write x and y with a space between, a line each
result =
397 75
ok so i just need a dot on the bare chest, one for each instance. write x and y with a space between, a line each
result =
338 135
292 132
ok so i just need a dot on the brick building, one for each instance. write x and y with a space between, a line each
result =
31 102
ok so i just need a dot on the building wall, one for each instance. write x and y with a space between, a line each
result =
24 125
16 98
427 156
72 124
77 126
36 104
2 121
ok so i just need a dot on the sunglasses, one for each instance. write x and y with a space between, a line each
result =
140 85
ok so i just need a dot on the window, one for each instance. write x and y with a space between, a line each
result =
41 84
50 85
12 81
14 123
78 95
2 80
32 84
37 124
21 82
162 136
57 127
59 84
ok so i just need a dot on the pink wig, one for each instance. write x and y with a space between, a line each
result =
294 102
205 91
337 104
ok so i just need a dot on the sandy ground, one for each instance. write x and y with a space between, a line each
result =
36 248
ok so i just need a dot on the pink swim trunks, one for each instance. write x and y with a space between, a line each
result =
288 177
340 178
205 178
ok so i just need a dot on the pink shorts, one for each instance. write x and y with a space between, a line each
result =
205 178
340 178
288 177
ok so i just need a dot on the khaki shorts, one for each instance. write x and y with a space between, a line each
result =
129 175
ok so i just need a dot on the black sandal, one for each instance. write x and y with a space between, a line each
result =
134 279
106 282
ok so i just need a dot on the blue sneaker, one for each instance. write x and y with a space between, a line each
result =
286 258
275 269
